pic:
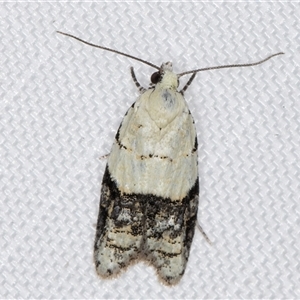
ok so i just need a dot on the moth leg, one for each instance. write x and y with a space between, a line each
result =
188 84
104 156
203 233
140 88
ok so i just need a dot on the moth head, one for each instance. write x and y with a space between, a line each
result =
165 76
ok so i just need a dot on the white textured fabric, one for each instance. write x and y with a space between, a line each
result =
62 102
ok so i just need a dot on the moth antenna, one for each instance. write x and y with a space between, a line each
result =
109 49
230 66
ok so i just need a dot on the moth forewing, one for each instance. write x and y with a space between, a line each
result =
150 189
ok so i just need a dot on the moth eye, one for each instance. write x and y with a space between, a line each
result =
155 77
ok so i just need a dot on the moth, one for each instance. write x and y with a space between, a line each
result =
150 188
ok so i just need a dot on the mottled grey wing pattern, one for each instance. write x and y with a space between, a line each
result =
138 227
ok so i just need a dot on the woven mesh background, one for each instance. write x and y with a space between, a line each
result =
62 102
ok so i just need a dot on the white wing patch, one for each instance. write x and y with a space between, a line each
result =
154 152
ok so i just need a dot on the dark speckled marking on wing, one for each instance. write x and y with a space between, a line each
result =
145 227
170 229
119 233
